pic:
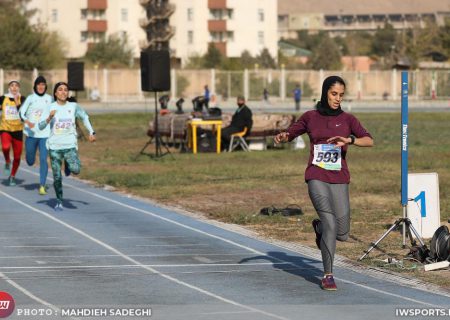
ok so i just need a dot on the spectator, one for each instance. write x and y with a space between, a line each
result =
241 119
266 95
297 97
95 94
206 95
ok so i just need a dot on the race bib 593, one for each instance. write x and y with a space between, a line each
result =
327 156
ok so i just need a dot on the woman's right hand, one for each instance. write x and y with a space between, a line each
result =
30 124
281 137
51 115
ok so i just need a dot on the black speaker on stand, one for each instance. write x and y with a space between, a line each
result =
75 76
155 77
75 80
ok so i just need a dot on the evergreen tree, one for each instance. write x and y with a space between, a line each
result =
247 60
213 58
24 46
113 51
326 55
265 60
384 41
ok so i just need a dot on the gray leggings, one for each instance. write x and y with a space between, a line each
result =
331 202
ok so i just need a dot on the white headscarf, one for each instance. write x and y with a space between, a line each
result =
9 94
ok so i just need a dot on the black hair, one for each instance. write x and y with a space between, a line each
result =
59 84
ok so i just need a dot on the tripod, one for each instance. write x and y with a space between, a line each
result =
157 136
407 228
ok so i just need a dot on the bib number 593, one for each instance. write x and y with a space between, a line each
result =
327 157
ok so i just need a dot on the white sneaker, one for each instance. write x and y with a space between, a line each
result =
59 207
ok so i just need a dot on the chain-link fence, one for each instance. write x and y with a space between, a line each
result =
125 84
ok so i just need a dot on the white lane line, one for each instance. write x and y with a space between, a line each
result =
226 312
127 266
38 246
239 245
220 238
173 245
155 237
29 294
152 270
131 255
24 238
389 293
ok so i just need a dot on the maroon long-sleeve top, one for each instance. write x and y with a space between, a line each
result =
320 128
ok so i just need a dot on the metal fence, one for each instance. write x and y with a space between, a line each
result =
125 85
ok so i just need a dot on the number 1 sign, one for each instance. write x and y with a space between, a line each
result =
423 205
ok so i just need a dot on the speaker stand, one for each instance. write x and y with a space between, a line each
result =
159 153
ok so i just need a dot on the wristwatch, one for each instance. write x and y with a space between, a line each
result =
352 138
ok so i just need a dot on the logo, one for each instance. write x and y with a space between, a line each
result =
337 125
6 304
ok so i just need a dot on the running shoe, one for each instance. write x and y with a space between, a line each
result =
7 169
12 181
42 191
59 207
316 227
66 168
328 283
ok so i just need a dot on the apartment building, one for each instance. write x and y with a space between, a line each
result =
233 26
186 27
82 23
340 16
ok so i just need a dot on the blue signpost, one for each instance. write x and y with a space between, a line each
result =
404 138
406 223
404 144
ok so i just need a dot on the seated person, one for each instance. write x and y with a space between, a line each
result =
241 118
95 94
164 104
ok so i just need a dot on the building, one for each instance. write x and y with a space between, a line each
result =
186 27
233 26
82 23
340 16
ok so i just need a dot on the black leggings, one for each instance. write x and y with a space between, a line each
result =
331 202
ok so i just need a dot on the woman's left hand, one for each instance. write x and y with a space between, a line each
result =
17 100
92 138
339 141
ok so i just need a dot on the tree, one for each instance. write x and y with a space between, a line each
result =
326 55
445 37
194 62
212 58
113 51
24 46
20 6
384 41
265 60
247 60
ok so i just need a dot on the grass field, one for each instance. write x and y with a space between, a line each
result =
233 187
